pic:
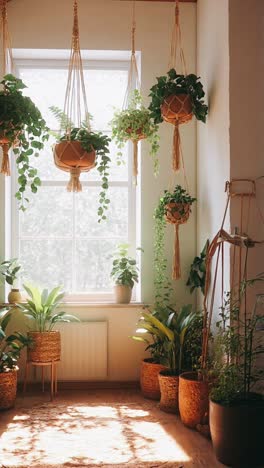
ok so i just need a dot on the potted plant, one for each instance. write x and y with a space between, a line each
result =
10 349
135 123
173 333
41 308
9 270
176 98
124 273
23 129
236 408
80 149
196 279
173 207
150 367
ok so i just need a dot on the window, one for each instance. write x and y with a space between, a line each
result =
58 239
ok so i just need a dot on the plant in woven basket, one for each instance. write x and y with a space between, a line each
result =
173 207
135 123
197 273
23 129
96 148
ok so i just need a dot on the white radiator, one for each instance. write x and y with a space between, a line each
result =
83 351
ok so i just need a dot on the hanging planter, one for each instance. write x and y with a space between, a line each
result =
79 148
177 97
175 208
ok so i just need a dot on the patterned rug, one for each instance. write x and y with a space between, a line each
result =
59 435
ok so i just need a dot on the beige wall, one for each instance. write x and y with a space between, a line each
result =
213 150
104 25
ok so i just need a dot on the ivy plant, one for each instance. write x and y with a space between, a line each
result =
130 123
90 141
173 84
24 130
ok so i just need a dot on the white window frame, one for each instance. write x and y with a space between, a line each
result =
21 61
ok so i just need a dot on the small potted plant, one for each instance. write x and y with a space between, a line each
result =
9 270
196 279
174 207
10 349
41 308
176 98
23 129
80 149
135 123
236 406
124 273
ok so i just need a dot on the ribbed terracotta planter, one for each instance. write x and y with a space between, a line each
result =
193 400
46 346
149 380
237 433
169 390
122 294
70 154
8 389
177 108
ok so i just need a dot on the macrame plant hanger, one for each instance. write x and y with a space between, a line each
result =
133 83
8 66
177 109
68 155
240 242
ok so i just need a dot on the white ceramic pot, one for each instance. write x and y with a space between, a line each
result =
122 293
14 296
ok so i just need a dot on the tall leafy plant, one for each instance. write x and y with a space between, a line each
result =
10 344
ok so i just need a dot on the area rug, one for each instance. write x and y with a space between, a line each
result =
60 435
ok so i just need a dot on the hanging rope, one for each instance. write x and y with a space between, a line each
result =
8 66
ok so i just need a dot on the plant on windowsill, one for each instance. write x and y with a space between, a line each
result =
124 274
173 207
10 349
80 149
135 123
197 273
9 270
41 308
236 407
23 129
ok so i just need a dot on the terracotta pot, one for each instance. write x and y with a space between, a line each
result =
140 136
122 294
149 378
169 390
237 433
177 108
177 213
193 400
14 296
46 346
70 154
8 389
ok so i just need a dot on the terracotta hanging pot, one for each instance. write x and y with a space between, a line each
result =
177 213
177 109
69 156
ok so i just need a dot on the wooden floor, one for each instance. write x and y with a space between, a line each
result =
154 438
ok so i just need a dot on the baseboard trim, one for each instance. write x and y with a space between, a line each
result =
84 385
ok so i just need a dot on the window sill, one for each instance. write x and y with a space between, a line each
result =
104 305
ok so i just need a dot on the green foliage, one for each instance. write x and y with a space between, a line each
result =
136 120
197 273
9 270
192 348
22 124
90 141
124 270
162 284
41 306
238 344
10 345
174 84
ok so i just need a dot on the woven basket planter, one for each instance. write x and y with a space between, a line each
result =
149 380
8 389
46 346
69 156
193 400
177 108
169 389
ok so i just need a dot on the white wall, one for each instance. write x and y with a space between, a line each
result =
104 25
213 150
